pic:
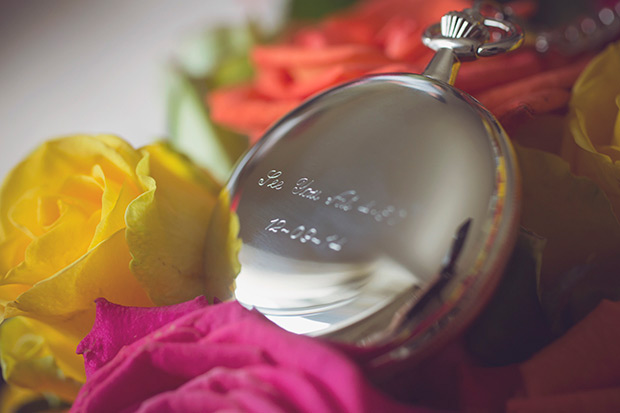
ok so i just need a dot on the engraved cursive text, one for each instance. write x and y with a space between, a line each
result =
272 180
349 201
343 200
303 189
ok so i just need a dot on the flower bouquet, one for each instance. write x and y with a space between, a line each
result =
113 298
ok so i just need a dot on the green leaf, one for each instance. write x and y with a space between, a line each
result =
216 58
203 56
193 134
316 9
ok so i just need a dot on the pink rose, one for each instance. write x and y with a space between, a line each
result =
194 357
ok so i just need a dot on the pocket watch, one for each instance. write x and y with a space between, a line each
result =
381 213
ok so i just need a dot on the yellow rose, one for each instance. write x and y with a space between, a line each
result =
592 140
86 217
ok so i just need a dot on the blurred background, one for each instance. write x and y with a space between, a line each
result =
88 66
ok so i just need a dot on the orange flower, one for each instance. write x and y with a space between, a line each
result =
381 36
376 36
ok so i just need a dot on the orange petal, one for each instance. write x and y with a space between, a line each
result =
291 56
604 400
486 73
586 357
563 77
514 112
244 111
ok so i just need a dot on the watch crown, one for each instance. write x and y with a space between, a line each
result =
464 25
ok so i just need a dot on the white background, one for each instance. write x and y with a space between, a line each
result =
94 66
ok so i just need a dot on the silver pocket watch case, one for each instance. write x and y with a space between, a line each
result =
382 212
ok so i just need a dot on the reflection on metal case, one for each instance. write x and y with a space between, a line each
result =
381 213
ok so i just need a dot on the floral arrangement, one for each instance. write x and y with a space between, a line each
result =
111 293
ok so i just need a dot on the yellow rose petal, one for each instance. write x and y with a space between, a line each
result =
54 161
113 215
12 251
28 362
66 299
73 216
222 249
48 174
65 242
8 294
616 136
166 226
16 399
571 212
592 141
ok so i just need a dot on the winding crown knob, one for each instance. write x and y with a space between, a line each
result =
464 35
464 25
467 34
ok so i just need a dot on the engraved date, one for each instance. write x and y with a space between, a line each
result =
306 235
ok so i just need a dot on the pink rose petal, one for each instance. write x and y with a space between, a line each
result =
116 326
225 358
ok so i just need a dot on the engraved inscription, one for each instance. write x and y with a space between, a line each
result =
306 235
276 225
303 189
349 201
389 214
272 180
343 200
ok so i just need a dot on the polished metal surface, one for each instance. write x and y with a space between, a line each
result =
467 32
380 213
464 35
